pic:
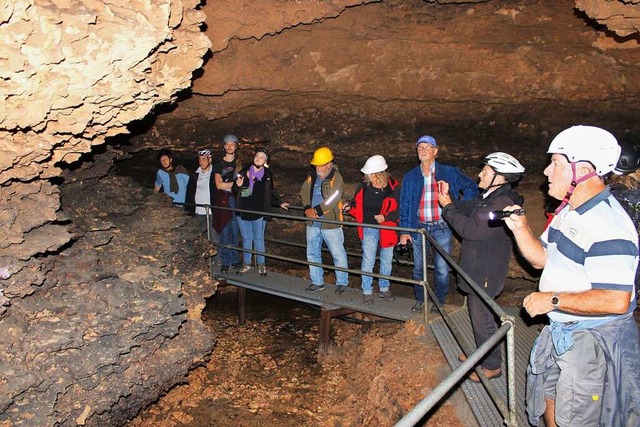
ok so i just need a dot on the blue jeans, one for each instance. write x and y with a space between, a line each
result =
334 238
370 243
441 233
252 233
230 236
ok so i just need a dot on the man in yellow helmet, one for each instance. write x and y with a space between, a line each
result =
321 196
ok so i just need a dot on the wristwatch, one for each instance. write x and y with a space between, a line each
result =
555 301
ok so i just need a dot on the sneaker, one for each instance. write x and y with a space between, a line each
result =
237 265
244 270
262 270
314 288
367 299
340 290
386 295
417 307
224 269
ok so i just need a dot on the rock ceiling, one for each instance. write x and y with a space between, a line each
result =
75 73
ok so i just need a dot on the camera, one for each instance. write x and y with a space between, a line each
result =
495 215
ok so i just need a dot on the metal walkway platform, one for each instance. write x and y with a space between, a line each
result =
483 408
291 287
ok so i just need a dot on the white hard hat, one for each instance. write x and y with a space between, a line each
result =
504 163
588 144
374 164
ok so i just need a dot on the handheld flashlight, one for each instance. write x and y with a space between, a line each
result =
494 215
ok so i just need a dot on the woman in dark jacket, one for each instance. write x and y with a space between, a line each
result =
376 202
486 245
253 188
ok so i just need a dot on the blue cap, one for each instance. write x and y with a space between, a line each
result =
426 139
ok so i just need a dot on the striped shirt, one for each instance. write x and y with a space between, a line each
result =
592 247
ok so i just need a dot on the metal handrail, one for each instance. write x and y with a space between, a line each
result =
507 329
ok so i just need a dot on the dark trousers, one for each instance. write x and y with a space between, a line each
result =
483 322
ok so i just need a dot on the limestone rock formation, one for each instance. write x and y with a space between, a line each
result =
74 73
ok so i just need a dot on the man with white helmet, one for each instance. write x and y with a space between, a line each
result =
321 195
486 245
585 365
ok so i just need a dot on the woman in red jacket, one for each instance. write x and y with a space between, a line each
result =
376 202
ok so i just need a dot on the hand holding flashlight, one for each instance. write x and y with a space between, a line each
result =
497 215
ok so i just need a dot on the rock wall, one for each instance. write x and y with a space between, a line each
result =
73 74
94 325
389 70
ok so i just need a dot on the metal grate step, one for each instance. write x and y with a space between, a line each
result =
481 403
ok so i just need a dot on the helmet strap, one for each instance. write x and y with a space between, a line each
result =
572 187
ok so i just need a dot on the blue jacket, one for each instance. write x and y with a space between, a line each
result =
461 187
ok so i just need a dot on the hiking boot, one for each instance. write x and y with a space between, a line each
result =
224 269
340 290
386 295
418 307
262 270
237 265
367 299
314 288
244 269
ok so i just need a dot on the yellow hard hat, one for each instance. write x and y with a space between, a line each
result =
322 156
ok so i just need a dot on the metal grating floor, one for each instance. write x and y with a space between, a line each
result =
481 404
291 287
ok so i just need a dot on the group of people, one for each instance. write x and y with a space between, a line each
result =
585 365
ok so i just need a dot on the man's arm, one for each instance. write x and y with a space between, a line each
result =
221 185
467 186
592 302
529 246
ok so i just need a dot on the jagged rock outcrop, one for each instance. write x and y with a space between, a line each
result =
74 74
91 336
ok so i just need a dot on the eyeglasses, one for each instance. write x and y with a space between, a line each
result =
426 147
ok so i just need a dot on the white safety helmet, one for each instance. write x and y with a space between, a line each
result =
504 163
374 164
588 144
